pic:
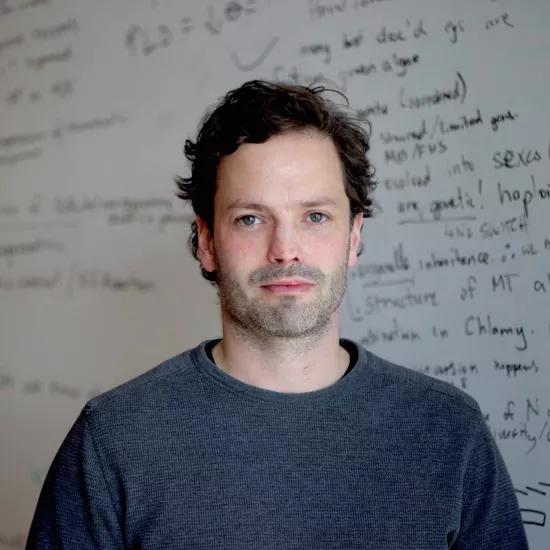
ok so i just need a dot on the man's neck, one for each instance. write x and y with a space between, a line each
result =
283 365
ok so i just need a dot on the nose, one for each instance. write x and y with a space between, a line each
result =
284 246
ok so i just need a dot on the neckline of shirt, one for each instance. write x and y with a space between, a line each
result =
340 387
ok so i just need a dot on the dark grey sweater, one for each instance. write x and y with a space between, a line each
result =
187 457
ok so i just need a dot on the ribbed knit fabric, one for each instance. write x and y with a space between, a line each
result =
188 457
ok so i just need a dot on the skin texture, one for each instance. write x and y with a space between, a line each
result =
282 342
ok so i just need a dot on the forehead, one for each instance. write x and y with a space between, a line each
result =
285 167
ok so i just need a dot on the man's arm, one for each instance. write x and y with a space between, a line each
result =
78 507
491 518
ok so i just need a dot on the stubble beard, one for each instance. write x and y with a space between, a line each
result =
283 316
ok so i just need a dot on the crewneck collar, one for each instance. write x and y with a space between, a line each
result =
339 388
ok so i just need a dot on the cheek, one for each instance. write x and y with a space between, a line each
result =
235 246
233 252
238 252
333 250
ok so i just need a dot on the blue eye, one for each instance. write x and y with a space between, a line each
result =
245 217
318 214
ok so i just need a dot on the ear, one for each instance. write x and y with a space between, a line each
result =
355 239
205 245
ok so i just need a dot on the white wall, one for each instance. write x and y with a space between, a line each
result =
96 281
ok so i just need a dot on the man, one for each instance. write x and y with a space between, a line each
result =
280 434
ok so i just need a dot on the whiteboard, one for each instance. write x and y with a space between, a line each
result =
97 284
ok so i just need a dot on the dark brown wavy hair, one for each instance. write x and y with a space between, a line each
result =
253 113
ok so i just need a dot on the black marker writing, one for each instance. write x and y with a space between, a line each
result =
478 326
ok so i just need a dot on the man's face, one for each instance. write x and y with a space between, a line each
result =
281 212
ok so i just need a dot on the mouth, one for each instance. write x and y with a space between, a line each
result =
288 288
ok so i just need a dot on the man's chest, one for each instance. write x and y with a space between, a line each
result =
334 495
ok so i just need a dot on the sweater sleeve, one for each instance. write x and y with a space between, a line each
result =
78 506
491 517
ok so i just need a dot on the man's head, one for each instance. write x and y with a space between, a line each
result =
280 184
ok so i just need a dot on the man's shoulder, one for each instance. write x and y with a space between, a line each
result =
152 386
412 384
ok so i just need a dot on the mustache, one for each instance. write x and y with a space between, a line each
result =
266 274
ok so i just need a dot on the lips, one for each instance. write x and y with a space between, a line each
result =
293 287
289 282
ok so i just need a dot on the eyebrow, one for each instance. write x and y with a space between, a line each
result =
239 204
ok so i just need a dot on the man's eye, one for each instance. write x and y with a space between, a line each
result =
317 214
248 219
242 220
